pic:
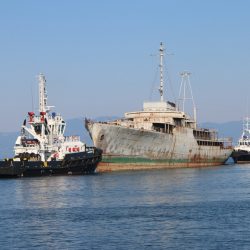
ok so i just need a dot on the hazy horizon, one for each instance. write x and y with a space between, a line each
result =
100 118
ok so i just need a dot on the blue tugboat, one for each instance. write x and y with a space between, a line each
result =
41 149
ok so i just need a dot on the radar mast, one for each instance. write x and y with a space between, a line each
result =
42 94
161 88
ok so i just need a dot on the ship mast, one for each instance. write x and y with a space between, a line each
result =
42 94
185 86
246 127
161 90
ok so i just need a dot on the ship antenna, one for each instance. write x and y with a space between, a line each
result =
42 94
32 98
161 89
247 109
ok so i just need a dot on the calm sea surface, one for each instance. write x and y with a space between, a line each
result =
207 208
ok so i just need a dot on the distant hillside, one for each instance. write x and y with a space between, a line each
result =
228 129
76 127
7 141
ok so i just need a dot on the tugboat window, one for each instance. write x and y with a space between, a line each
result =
37 129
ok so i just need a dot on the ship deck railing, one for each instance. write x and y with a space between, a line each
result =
207 138
74 138
227 141
92 149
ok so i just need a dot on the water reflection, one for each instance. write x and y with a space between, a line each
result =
199 208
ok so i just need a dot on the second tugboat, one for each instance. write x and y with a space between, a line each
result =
42 149
241 153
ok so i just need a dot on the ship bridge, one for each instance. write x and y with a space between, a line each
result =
158 115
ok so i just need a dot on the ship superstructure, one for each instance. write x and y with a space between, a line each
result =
161 135
42 136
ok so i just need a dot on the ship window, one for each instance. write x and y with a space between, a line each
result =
62 129
163 127
38 129
178 122
209 143
201 134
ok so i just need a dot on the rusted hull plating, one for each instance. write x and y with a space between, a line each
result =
109 167
131 149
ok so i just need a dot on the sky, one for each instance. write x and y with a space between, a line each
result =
99 56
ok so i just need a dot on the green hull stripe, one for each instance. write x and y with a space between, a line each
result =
136 160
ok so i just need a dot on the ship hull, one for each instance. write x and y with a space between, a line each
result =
241 156
73 164
131 149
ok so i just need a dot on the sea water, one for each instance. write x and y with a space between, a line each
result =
197 208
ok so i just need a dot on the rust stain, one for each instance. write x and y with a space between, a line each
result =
110 167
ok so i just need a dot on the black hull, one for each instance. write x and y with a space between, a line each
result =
241 156
73 164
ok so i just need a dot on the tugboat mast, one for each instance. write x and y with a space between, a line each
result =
42 94
161 90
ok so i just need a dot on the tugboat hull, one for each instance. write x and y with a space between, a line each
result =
9 169
241 156
73 164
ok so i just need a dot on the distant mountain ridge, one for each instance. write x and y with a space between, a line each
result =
227 129
7 141
76 127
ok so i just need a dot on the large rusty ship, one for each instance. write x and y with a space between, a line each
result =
162 135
